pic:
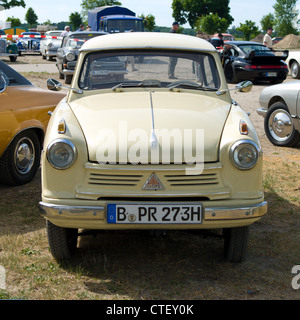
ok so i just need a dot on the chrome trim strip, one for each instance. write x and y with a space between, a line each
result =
152 168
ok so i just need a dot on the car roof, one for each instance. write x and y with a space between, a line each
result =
147 40
87 32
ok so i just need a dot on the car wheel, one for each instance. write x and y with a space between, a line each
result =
68 79
279 126
230 73
13 59
62 241
61 75
295 70
21 159
235 243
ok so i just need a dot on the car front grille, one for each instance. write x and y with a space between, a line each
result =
126 182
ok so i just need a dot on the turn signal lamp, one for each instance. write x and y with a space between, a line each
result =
61 126
243 127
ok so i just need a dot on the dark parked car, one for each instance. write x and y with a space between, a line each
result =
67 54
29 42
246 60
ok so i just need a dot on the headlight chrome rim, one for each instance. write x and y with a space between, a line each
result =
69 147
70 56
241 145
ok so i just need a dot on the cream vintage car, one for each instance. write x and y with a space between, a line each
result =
162 147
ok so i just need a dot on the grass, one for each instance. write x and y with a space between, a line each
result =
135 266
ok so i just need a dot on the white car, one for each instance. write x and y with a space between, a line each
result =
293 62
280 109
50 44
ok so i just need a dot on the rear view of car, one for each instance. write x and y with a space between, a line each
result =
246 60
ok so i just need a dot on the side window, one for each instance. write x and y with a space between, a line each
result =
235 53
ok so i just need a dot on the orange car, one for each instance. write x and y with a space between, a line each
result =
23 121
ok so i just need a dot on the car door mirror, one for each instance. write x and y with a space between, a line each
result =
54 85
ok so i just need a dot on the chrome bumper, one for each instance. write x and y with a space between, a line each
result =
83 216
262 111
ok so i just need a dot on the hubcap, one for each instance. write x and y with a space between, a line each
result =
24 155
295 69
280 125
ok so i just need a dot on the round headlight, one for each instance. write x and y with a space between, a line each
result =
70 56
244 154
61 154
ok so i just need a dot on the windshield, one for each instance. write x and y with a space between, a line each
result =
77 40
159 69
123 25
258 48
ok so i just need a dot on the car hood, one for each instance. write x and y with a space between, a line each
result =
131 127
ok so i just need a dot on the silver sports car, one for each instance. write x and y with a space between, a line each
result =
281 110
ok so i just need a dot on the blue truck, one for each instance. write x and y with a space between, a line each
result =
114 19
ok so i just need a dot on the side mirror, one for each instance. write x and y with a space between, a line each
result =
3 83
55 85
244 86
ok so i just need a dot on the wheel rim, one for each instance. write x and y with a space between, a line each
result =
280 125
24 155
295 69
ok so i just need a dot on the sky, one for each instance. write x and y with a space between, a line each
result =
57 11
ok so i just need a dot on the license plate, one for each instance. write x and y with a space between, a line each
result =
271 74
154 213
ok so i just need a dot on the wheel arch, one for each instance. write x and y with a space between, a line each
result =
38 130
275 99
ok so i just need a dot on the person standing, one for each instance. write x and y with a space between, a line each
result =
66 31
267 38
81 28
173 60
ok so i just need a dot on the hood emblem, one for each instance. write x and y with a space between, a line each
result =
153 183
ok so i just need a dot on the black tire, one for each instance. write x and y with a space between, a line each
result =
13 58
235 243
21 160
279 126
230 73
68 79
62 241
295 70
61 75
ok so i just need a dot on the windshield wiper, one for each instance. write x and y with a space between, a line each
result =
189 85
144 83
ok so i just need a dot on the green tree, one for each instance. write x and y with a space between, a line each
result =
75 20
92 4
285 15
6 4
149 21
211 23
15 22
31 17
267 21
190 10
249 29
